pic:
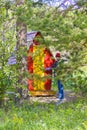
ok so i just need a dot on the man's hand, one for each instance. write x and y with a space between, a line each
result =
49 68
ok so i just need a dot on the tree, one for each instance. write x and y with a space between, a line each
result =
7 36
8 42
66 31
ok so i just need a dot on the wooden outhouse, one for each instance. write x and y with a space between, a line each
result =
39 58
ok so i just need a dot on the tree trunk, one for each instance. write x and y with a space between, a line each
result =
21 30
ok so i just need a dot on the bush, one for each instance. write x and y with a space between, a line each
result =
77 81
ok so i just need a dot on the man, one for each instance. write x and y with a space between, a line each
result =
60 94
59 84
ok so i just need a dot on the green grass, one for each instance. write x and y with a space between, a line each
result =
41 116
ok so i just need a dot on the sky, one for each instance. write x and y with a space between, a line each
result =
65 3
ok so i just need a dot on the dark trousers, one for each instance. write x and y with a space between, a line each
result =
60 90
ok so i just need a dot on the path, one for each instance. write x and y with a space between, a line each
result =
69 96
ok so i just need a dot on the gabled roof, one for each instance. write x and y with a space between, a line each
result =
30 37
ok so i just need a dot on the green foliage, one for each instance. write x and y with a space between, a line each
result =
7 36
65 30
41 116
77 81
3 85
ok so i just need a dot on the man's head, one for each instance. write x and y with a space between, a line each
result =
58 55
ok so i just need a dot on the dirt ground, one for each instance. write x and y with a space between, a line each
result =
68 96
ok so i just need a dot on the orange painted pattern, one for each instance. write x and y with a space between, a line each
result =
38 62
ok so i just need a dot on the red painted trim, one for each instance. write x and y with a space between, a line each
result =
30 67
48 62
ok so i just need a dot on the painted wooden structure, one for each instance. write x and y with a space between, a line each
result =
39 58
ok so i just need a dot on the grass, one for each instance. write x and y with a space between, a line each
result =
41 116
